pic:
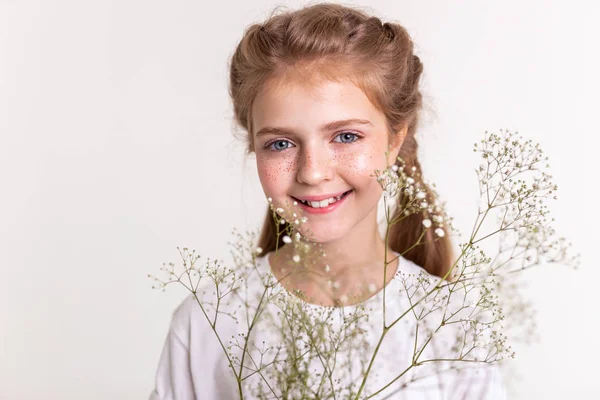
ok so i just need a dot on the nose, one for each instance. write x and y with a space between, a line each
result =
315 165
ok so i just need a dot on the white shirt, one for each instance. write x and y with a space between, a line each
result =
193 364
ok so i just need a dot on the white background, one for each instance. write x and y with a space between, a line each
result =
116 147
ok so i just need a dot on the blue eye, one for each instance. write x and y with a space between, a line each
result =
347 137
276 145
282 144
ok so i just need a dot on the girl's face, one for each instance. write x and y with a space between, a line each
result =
316 143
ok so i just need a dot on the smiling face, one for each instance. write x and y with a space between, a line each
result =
321 140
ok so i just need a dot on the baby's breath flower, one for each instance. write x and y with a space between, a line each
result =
269 200
524 215
296 222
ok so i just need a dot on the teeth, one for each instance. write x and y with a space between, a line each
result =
322 203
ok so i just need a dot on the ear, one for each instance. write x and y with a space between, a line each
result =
395 144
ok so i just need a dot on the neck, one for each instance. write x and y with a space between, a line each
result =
342 271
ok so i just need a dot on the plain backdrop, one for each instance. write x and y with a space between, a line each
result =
116 147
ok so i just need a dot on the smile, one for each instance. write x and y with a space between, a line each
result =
323 206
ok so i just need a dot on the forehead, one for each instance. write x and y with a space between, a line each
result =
299 102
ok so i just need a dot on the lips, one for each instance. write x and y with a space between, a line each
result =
323 199
320 197
325 205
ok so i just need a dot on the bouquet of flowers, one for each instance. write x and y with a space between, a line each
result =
278 344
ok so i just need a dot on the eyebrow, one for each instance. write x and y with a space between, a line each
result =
331 126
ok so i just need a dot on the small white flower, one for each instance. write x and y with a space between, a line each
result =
269 199
394 168
282 221
296 258
287 239
327 268
298 236
295 203
297 222
294 215
259 250
410 180
372 287
414 169
427 223
303 220
343 298
440 232
279 210
336 285
421 195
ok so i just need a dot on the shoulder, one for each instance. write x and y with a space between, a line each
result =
185 317
211 307
186 308
192 316
409 267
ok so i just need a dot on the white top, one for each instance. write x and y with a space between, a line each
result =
193 364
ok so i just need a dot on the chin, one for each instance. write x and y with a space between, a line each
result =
322 234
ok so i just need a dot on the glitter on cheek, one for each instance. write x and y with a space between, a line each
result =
359 163
364 163
356 166
276 174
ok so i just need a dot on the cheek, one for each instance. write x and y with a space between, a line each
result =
274 172
359 166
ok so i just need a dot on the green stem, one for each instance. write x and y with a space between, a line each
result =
220 343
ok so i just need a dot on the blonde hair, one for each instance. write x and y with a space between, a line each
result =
335 42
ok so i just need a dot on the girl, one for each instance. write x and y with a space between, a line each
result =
327 95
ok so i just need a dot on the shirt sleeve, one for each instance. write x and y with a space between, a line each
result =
494 388
480 383
173 376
